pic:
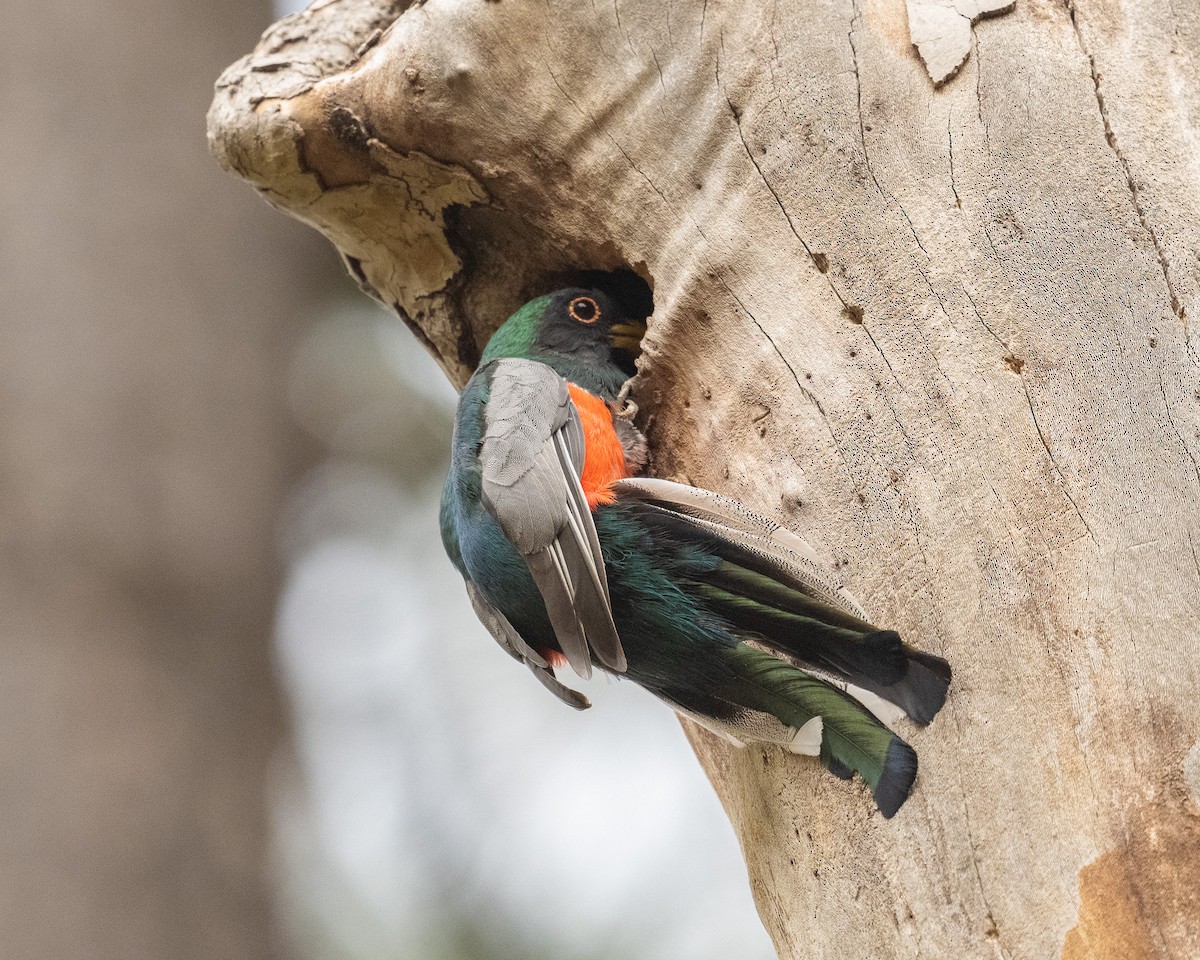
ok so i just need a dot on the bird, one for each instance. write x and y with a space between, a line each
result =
572 559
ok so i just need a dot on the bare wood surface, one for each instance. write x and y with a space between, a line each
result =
945 333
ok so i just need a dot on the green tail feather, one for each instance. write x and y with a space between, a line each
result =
750 583
857 655
829 638
853 739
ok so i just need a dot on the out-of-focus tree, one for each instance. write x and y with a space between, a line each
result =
147 309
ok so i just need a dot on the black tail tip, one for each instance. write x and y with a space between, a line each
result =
935 663
925 687
895 783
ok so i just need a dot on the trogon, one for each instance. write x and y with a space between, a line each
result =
571 559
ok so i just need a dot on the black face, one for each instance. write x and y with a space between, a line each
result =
589 326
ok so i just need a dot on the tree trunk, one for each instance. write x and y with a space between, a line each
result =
943 332
145 451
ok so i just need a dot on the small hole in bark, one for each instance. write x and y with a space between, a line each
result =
853 354
351 131
1153 342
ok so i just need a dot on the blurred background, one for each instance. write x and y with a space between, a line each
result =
245 709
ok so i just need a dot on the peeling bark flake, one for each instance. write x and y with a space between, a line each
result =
941 31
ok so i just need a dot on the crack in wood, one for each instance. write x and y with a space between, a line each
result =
1130 181
846 305
1171 419
950 139
1054 463
993 931
862 136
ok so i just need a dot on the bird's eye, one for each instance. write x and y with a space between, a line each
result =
584 309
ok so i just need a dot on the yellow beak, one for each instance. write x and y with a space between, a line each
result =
628 336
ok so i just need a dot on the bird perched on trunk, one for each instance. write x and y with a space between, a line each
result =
569 559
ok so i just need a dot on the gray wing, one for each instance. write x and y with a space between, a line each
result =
787 553
532 458
507 636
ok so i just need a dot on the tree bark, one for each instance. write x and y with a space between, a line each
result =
145 452
941 332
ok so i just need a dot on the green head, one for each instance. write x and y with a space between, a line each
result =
582 334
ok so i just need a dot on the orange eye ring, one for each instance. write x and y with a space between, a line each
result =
584 309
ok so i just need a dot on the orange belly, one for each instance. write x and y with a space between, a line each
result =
604 463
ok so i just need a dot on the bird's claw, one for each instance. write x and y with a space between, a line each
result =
622 406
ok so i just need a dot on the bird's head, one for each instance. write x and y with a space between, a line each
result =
583 334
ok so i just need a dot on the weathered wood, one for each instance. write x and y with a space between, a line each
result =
944 333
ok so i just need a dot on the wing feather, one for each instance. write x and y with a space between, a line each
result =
766 544
501 629
510 639
532 458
